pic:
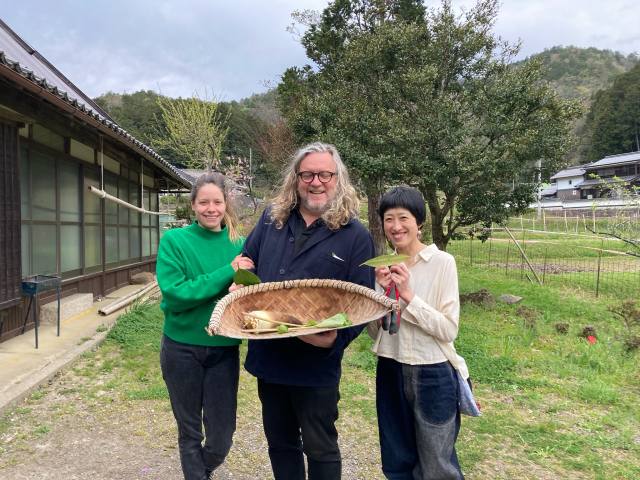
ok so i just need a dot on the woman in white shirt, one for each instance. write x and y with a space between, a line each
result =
416 387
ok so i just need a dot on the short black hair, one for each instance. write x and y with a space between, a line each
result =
404 197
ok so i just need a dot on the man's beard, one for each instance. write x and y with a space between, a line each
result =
315 208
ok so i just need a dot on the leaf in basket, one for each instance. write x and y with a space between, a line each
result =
337 321
245 277
385 260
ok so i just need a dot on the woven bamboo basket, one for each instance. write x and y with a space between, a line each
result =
312 299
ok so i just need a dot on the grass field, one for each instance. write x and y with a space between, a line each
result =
554 406
599 266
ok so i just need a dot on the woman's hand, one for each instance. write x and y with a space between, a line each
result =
383 277
400 275
242 262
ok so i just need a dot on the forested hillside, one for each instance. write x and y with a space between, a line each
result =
139 114
613 122
580 72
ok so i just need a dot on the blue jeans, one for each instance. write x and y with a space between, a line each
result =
301 419
418 419
203 388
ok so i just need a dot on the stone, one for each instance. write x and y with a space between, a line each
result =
142 278
69 306
509 299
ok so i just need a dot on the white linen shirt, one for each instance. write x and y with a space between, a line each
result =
432 314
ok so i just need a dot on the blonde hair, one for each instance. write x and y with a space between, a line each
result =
230 220
342 208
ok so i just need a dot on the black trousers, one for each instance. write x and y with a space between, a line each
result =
297 420
203 388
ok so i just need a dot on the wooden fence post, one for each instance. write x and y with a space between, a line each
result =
566 225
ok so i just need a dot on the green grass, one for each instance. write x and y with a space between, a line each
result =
579 264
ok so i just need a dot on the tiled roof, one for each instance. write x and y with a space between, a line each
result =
551 190
604 181
622 158
569 172
19 57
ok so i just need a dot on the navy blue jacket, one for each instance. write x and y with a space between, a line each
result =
290 361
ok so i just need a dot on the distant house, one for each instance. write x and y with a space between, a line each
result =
566 184
55 143
601 175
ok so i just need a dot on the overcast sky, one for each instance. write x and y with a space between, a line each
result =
239 47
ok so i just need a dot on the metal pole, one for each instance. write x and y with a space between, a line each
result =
58 295
35 315
544 266
506 265
471 251
598 274
566 225
490 242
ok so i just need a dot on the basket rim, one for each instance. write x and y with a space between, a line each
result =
224 302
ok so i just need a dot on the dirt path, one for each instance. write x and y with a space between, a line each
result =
77 428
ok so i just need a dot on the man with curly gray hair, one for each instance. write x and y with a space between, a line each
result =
310 230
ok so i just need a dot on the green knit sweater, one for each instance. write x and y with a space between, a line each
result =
194 271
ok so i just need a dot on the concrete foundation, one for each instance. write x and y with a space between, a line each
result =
69 306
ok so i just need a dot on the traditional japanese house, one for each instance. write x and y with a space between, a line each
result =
56 143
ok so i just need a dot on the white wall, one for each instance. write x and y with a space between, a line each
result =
569 182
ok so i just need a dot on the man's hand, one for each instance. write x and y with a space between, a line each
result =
242 262
235 287
322 339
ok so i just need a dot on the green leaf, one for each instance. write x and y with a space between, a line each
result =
385 260
336 321
245 277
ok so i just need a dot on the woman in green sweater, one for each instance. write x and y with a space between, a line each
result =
195 267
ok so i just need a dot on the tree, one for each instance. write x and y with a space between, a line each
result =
322 105
276 145
429 98
195 130
614 118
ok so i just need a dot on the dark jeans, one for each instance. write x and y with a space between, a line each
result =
297 420
203 388
418 419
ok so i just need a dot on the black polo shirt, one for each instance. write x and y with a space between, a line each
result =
301 231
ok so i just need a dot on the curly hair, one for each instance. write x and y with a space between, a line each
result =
342 208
